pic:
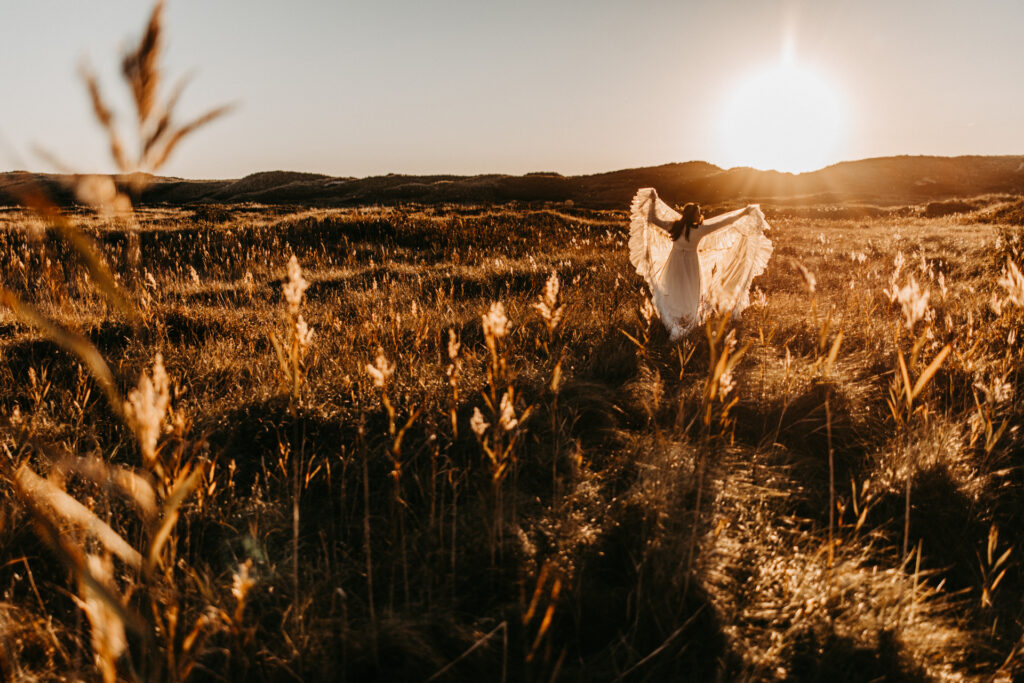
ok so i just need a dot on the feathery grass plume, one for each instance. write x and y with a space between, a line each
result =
898 262
157 134
549 304
897 267
248 284
1013 282
914 302
380 370
499 444
647 311
241 583
295 286
454 345
551 308
292 351
105 117
495 325
146 408
508 419
495 328
140 68
303 334
478 424
291 354
725 384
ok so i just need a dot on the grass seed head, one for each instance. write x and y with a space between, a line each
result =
248 284
242 581
380 370
295 286
725 384
508 412
453 345
549 305
147 406
495 322
914 302
647 311
477 422
1013 282
303 334
897 264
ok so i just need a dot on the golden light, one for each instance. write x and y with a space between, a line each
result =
786 117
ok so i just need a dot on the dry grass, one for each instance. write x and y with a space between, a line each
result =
621 519
451 443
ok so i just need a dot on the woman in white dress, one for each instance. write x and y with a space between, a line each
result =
695 267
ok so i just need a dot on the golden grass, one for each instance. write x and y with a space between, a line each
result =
680 494
464 449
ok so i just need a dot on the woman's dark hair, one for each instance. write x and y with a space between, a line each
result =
691 218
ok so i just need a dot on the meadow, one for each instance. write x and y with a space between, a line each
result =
453 443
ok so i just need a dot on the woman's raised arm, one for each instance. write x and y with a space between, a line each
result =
653 219
717 223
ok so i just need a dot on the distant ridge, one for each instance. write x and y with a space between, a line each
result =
883 180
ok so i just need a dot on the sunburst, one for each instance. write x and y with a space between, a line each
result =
786 117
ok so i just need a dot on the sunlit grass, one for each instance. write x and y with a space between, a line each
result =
429 465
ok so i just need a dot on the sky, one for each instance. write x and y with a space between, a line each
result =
366 88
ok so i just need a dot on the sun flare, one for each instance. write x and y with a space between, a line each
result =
785 117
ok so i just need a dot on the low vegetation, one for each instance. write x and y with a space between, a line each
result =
453 443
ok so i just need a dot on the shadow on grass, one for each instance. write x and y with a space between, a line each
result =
831 658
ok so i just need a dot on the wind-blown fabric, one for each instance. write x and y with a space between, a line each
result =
711 271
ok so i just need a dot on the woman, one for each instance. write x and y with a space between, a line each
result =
693 266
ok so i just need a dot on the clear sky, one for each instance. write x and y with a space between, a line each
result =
574 86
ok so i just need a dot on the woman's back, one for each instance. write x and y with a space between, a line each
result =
711 269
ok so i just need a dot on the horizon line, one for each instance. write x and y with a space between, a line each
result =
525 174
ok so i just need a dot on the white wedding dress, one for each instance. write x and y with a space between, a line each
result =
710 272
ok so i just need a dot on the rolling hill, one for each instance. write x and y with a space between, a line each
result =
885 180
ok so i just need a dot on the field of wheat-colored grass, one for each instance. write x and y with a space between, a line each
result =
455 443
452 443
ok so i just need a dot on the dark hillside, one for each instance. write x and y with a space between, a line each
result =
888 180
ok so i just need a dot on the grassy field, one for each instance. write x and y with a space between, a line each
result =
385 475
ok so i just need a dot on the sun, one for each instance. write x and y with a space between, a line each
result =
786 117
